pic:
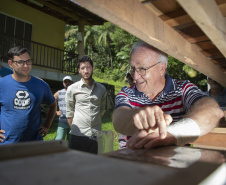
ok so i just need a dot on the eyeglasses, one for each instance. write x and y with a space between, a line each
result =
22 62
141 71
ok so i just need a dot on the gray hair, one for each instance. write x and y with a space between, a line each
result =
163 57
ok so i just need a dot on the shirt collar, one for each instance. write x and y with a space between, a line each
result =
85 84
170 86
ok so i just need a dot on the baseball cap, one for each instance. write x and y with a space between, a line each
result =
67 78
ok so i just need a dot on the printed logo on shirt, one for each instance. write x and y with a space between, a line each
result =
22 100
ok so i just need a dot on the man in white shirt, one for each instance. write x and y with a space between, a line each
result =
85 105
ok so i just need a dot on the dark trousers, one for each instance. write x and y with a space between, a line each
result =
84 143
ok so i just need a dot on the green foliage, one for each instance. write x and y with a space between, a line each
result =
190 71
52 131
180 71
123 55
107 125
71 41
104 78
109 47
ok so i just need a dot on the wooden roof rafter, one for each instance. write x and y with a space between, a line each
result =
65 10
207 16
145 21
183 23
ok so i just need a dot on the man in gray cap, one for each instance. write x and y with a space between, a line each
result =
63 127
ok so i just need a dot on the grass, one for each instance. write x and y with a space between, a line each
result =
106 125
52 131
118 85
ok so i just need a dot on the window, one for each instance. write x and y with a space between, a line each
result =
13 32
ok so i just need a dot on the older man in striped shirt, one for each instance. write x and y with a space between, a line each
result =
159 110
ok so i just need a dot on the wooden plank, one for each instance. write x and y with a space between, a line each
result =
56 8
208 17
170 156
27 149
193 31
193 40
151 7
75 167
80 168
185 19
164 6
176 18
199 173
222 8
213 53
206 45
219 130
213 140
135 18
200 146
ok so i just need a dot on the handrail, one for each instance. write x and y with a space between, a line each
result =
42 55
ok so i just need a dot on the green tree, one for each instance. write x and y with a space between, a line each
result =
90 39
109 47
180 71
106 38
71 41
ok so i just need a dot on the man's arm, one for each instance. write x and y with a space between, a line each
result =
69 120
205 112
123 120
56 96
49 118
127 121
70 105
58 113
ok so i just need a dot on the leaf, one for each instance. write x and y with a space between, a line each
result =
190 71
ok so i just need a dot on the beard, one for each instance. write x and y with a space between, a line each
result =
88 77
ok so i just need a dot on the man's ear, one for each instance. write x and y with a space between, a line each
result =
10 63
163 69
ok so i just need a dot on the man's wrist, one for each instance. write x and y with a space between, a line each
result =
185 131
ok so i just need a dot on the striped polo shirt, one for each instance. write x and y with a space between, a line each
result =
176 98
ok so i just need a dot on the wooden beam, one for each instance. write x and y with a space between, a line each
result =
172 22
135 18
222 7
150 6
34 148
208 17
52 6
213 140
